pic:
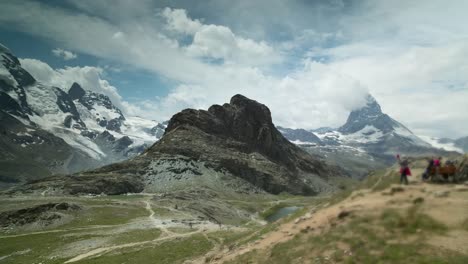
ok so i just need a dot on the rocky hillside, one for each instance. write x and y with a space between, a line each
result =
48 130
230 147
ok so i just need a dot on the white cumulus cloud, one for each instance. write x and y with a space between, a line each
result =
64 54
90 78
218 42
178 20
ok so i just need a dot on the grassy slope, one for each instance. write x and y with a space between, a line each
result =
391 234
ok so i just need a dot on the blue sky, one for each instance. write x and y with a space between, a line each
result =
133 84
311 62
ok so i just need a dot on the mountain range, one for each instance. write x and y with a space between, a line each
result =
50 130
59 130
233 147
369 139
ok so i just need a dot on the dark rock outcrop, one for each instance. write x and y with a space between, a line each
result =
43 212
238 138
122 143
111 184
66 105
244 125
76 91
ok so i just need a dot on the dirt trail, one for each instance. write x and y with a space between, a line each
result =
157 223
71 229
446 203
102 250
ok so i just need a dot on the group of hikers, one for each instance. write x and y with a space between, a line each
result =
433 164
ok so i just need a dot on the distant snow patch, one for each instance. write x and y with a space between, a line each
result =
436 144
299 142
81 143
369 134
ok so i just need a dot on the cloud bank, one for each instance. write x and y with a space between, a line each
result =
311 63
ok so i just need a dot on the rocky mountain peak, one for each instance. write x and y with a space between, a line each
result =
370 111
242 119
369 115
11 63
239 137
260 111
76 91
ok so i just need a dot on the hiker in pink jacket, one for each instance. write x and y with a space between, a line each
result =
404 170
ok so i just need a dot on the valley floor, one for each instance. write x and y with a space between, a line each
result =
144 228
377 221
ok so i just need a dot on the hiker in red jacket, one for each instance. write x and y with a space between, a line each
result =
404 170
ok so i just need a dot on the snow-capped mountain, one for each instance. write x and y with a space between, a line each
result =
458 145
366 127
85 126
369 128
299 136
368 134
442 143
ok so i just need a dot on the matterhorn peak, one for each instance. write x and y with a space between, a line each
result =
369 114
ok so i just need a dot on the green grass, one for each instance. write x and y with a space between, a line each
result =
162 212
106 215
376 181
272 226
40 247
264 230
136 236
121 197
230 239
393 237
379 181
411 222
171 252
